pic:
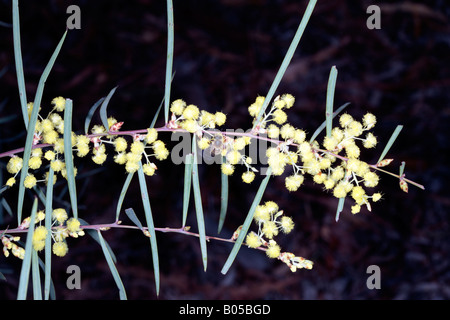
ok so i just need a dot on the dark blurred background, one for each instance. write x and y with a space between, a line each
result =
226 53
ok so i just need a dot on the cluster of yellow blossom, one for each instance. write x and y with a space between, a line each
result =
344 177
270 222
59 231
130 154
8 244
49 132
61 228
191 119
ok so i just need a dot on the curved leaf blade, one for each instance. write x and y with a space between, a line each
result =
112 267
187 185
150 226
32 125
287 58
330 99
103 113
70 171
26 264
247 223
199 206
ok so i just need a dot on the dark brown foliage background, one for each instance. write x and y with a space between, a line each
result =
226 53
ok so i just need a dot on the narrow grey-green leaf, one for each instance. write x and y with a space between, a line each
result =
123 193
223 200
18 61
26 263
247 223
187 185
93 234
48 240
390 142
103 112
35 276
402 168
130 213
52 295
155 117
68 157
31 126
87 121
287 58
322 126
340 207
330 99
112 267
150 225
169 58
198 205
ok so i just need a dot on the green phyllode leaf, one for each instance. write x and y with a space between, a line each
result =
26 263
169 60
19 63
32 125
223 201
247 223
198 205
103 112
68 157
287 58
187 185
150 226
390 142
330 100
112 267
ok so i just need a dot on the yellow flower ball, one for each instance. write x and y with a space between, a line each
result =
220 118
273 250
60 215
269 229
252 240
286 224
227 169
120 158
30 181
369 120
191 112
151 136
294 182
14 165
137 147
59 103
10 182
289 99
60 248
73 224
261 214
273 131
177 107
370 179
233 157
376 197
149 169
120 144
203 143
279 116
248 176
